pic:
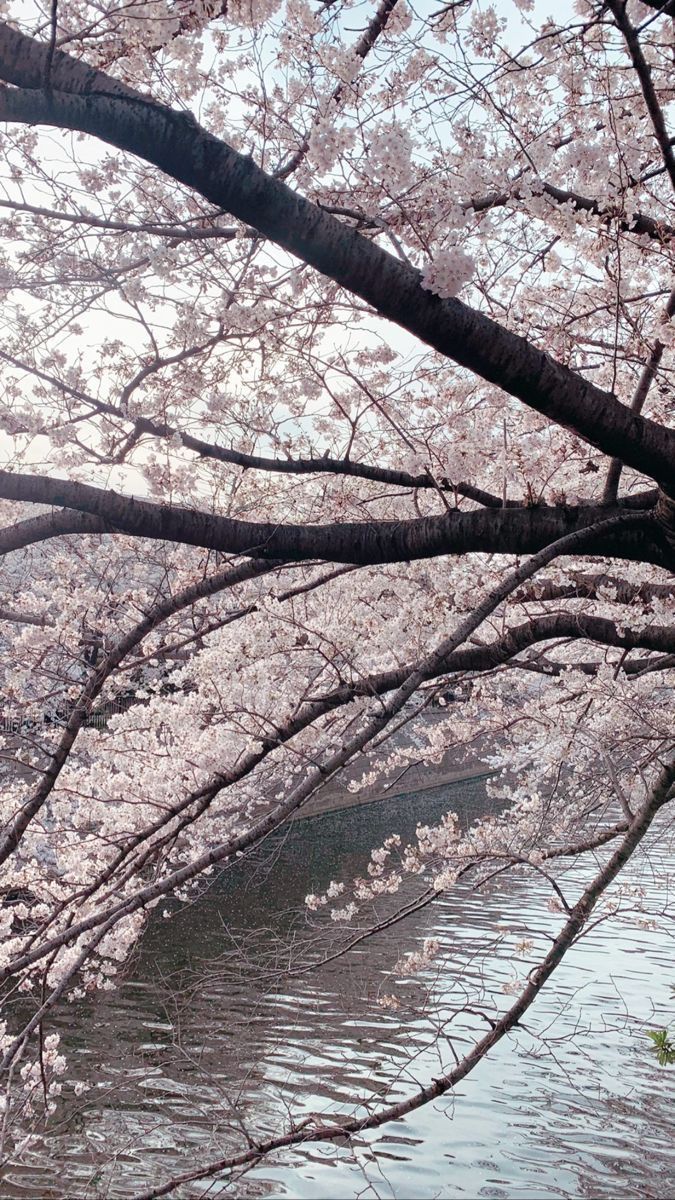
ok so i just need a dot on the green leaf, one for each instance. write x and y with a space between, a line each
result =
663 1047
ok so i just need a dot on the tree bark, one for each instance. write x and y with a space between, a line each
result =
494 531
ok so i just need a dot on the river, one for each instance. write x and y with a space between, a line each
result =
195 1040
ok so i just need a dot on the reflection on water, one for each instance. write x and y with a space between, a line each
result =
574 1105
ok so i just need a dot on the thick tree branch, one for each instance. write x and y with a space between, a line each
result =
21 618
497 531
666 8
645 381
515 641
48 525
177 145
21 65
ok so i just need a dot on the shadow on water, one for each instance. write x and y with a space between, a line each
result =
268 890
209 1033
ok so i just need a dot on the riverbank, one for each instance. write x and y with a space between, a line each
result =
336 801
458 764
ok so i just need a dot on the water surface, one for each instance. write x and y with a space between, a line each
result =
206 1037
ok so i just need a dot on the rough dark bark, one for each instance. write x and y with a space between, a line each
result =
637 222
494 531
20 64
647 377
665 7
596 586
579 627
48 525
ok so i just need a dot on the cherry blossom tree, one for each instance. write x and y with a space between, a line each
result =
337 365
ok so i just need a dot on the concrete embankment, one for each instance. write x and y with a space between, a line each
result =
457 764
338 800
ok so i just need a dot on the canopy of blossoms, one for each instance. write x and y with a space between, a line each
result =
337 365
